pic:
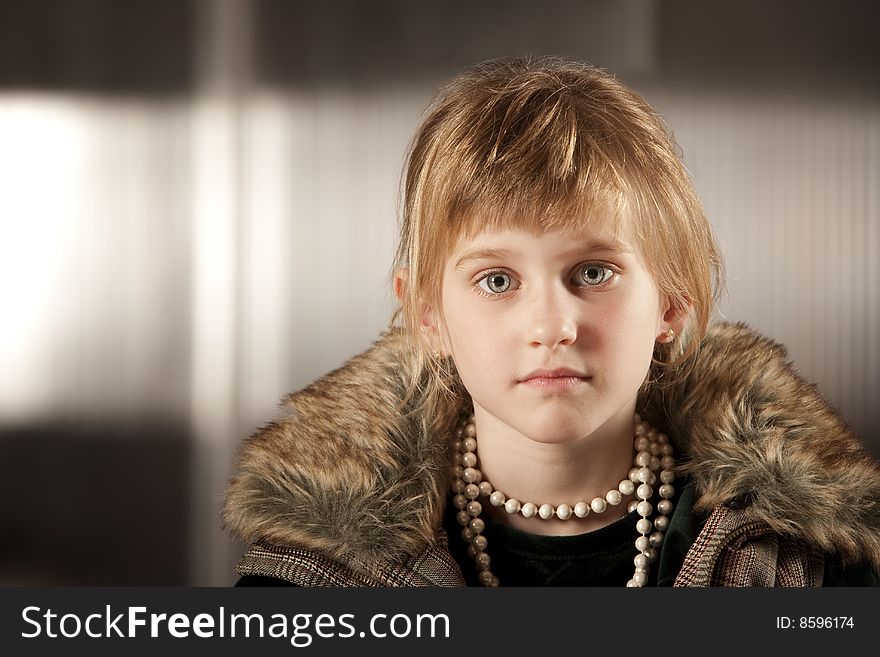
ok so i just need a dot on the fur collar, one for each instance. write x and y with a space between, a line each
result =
344 473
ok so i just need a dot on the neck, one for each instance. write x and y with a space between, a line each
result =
530 470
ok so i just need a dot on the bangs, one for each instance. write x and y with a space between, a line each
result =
537 162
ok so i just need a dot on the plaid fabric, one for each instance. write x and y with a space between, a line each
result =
434 567
733 550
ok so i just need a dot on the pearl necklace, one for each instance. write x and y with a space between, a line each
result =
653 453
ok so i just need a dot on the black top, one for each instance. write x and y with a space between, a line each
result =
603 557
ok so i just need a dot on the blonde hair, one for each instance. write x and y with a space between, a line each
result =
549 144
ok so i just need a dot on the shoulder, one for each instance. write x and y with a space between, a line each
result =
752 432
345 470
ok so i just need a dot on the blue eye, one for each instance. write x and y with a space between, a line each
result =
593 274
496 282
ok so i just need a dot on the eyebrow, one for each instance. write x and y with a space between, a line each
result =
614 247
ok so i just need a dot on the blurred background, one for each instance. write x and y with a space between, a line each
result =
198 213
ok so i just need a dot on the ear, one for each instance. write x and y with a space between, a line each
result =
432 333
673 318
428 325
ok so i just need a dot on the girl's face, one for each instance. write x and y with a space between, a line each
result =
552 336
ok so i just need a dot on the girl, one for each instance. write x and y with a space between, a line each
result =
550 405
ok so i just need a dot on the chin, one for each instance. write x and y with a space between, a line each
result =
556 432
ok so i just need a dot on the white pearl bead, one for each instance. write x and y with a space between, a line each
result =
467 534
613 497
662 438
463 518
485 577
633 475
472 491
496 498
665 450
644 508
626 487
643 526
667 463
598 505
546 511
664 507
483 560
642 543
656 540
642 429
643 475
667 476
469 445
470 431
641 444
456 471
469 459
563 511
654 464
666 491
477 525
655 449
631 506
581 509
651 554
470 475
512 505
661 523
644 492
641 561
640 579
652 479
631 584
480 543
529 509
643 459
457 486
456 444
459 501
485 488
474 508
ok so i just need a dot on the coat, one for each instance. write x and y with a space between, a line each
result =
342 489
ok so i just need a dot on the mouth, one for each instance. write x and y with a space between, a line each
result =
558 379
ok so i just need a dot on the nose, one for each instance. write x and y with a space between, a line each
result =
550 330
550 323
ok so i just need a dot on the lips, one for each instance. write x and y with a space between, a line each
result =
562 378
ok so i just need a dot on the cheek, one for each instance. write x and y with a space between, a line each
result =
477 341
628 330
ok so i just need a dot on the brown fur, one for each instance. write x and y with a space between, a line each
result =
346 473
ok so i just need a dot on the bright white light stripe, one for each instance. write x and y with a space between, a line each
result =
42 190
266 252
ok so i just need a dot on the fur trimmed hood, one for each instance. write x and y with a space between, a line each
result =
342 472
